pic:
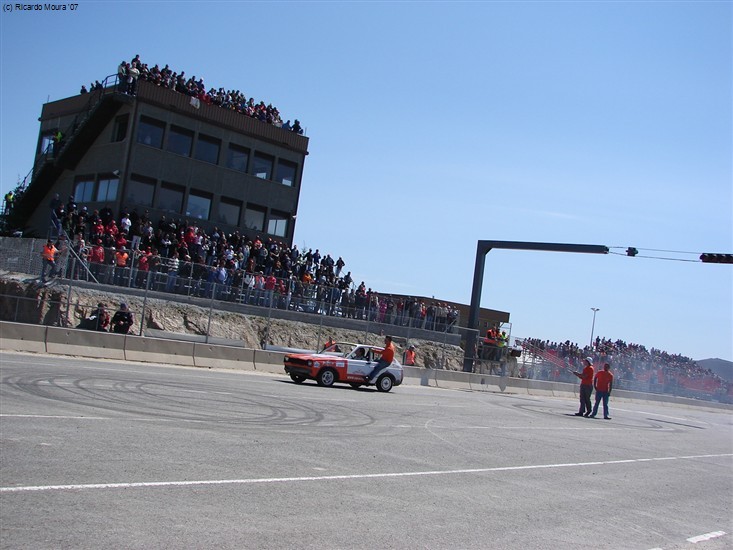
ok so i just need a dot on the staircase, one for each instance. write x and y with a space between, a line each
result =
102 106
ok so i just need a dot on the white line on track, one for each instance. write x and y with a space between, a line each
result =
658 414
55 416
543 428
120 418
251 481
706 536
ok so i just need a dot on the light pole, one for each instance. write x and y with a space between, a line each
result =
593 326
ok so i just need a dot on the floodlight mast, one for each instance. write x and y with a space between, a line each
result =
483 248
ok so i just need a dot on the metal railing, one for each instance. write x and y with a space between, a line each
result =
54 149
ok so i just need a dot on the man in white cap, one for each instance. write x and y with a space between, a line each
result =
586 387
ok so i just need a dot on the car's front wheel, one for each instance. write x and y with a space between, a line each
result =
297 378
385 383
326 378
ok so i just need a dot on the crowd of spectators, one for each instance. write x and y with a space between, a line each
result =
130 72
178 256
635 363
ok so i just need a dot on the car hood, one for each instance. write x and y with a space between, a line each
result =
313 356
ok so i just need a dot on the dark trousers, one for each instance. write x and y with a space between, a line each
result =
585 404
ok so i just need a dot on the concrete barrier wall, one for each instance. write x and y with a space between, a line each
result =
20 337
85 343
269 361
223 357
487 382
453 379
158 350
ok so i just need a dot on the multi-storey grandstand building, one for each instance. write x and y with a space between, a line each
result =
166 153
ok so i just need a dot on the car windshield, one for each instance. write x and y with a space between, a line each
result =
338 348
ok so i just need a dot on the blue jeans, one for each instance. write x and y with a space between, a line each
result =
379 366
601 396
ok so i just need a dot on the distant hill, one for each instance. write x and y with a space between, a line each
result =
721 367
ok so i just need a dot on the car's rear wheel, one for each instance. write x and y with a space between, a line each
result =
326 377
385 383
297 378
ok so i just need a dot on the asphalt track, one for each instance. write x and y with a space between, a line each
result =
101 454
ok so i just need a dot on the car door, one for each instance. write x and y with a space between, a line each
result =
359 367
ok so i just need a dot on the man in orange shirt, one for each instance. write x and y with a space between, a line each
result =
409 359
48 257
586 387
603 382
384 361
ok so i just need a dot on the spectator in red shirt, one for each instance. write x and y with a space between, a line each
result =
586 387
603 383
385 360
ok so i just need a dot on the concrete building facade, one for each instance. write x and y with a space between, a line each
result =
167 154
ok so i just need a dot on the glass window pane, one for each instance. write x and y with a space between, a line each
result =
180 141
83 191
107 190
139 192
170 198
286 172
263 166
119 132
150 132
237 157
207 149
277 224
198 206
229 212
47 143
254 218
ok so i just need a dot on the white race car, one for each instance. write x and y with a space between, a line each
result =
343 362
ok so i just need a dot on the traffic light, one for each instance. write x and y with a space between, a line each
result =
631 251
716 258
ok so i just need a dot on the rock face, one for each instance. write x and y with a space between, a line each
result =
23 300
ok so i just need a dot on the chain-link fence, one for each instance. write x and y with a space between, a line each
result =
220 301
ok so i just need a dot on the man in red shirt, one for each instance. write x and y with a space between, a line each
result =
603 382
385 360
586 387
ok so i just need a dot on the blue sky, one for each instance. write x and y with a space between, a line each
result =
434 125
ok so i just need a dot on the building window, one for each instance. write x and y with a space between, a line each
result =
139 191
263 166
47 143
150 132
119 131
237 157
170 198
83 190
199 205
180 141
229 211
107 188
277 224
286 172
207 149
254 218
